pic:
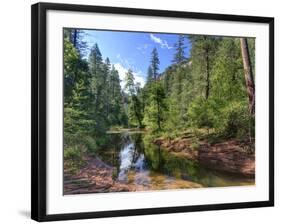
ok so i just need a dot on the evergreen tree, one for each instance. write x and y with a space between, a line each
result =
154 63
135 106
116 114
150 75
202 56
179 47
75 36
98 80
129 82
154 115
206 91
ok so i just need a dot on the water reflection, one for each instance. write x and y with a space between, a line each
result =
131 159
147 165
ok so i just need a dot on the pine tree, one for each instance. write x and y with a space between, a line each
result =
116 112
155 110
75 36
154 115
98 79
202 56
135 106
106 85
179 47
154 63
149 75
129 82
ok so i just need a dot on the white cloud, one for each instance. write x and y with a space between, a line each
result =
122 73
162 43
139 78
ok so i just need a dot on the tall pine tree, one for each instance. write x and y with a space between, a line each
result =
179 47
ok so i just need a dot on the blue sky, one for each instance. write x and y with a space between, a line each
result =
132 50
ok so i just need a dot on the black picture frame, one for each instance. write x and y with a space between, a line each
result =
39 108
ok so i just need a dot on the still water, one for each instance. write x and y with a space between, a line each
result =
137 161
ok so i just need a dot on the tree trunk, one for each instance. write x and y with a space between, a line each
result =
248 75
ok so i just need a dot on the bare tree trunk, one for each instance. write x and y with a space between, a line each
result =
248 75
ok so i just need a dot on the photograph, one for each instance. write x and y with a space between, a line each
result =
149 111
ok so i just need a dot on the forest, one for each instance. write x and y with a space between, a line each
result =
192 124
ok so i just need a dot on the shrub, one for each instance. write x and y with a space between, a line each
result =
201 113
102 140
90 143
72 153
73 159
234 120
229 119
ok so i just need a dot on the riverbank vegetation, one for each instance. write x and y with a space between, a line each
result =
208 96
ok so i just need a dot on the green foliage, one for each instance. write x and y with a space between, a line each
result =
203 55
75 37
129 80
155 110
154 63
178 96
222 110
227 79
135 109
74 68
201 113
207 92
234 120
73 158
92 100
90 144
180 54
72 153
228 119
155 104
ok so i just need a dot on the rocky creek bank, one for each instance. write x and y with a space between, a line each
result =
233 156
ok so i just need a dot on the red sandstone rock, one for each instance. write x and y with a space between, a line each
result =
229 156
